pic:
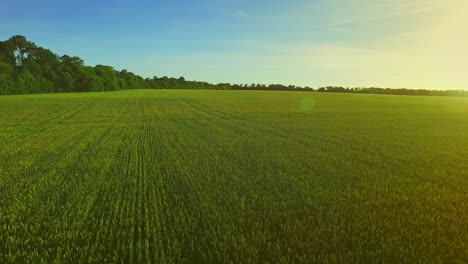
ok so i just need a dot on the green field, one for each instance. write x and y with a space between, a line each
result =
174 176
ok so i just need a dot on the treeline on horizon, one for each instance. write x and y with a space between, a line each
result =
26 68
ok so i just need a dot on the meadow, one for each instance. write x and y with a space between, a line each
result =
184 176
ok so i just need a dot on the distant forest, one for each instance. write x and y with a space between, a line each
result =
26 68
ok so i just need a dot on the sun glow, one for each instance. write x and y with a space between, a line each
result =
449 51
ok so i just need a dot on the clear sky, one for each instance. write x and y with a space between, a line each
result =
385 43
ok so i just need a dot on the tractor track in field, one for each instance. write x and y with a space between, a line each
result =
230 117
318 143
49 123
79 108
270 130
248 123
21 176
243 129
63 113
69 193
87 106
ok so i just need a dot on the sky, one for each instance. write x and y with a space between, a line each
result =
418 44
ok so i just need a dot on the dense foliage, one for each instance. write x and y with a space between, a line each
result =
26 68
181 83
180 176
271 87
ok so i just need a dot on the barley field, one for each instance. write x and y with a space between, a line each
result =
181 176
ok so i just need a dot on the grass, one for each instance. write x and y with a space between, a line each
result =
174 176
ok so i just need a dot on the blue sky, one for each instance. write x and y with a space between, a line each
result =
398 43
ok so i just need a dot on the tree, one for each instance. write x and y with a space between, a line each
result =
22 48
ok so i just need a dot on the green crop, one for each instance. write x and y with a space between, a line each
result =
174 176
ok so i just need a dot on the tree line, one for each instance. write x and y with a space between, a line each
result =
271 87
26 68
401 91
